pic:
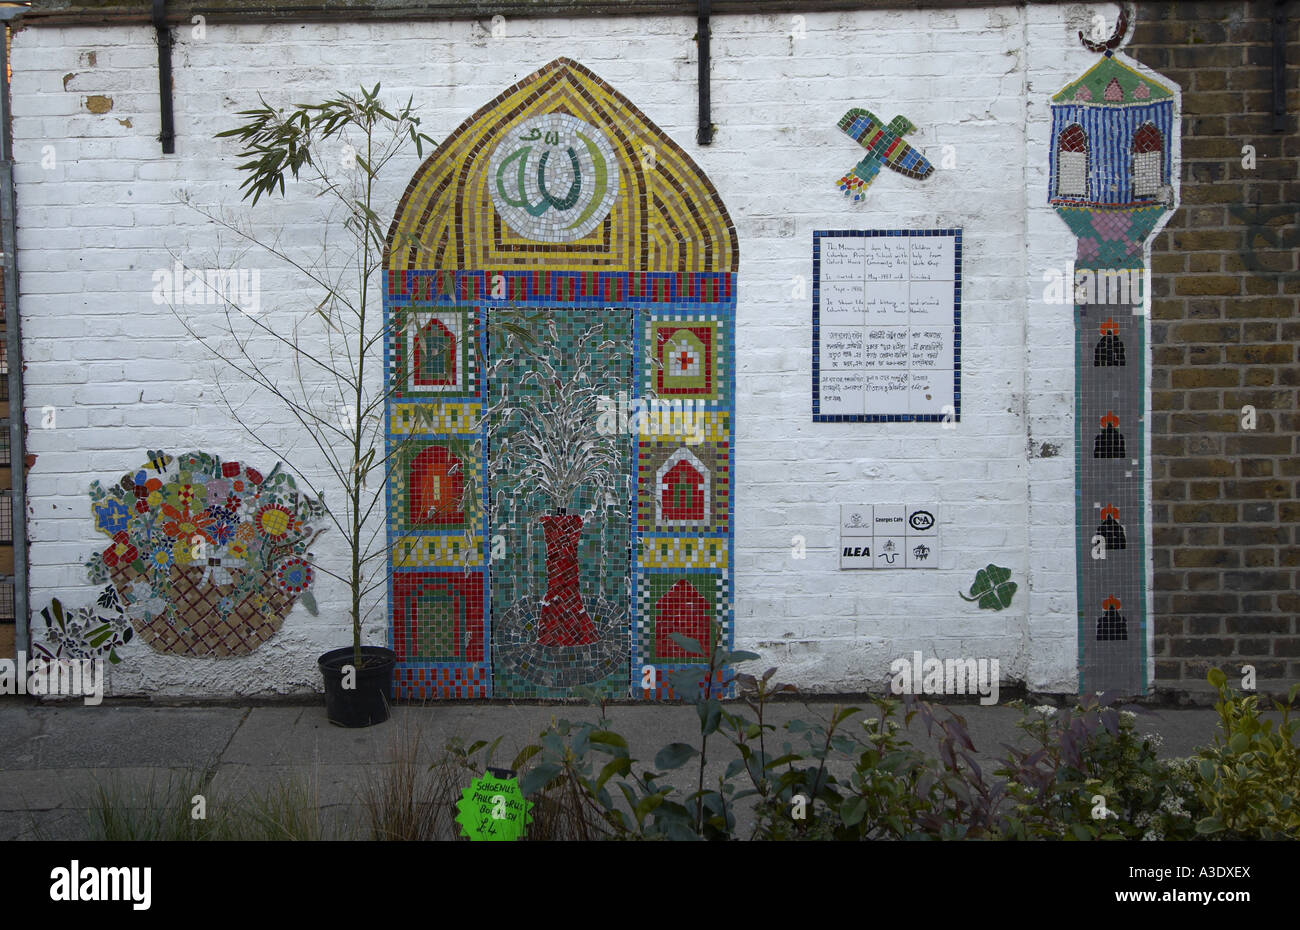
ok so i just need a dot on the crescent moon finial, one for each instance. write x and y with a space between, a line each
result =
1117 37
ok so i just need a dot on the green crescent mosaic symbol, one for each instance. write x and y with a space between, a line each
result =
602 181
575 189
521 189
493 808
520 160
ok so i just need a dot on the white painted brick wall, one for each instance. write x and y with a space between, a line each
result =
123 378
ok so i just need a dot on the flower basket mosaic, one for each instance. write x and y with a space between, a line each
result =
206 557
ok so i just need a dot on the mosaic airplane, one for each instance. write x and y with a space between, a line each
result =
884 145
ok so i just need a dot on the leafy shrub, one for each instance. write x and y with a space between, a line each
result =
1090 776
1246 782
1086 774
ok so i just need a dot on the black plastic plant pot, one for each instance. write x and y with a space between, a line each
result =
367 703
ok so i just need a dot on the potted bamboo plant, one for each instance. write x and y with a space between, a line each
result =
335 393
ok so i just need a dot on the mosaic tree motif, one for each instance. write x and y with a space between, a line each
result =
560 492
1114 136
205 557
560 204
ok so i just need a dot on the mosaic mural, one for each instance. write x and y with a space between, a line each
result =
84 632
1114 133
560 299
885 146
205 558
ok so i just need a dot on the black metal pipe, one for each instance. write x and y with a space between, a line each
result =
168 135
705 134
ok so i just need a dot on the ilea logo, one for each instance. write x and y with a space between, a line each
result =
103 883
44 676
945 676
178 285
673 417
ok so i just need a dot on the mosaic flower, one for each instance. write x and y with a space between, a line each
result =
186 524
253 475
294 575
111 516
233 503
246 532
225 606
121 553
161 556
274 521
186 496
221 530
237 550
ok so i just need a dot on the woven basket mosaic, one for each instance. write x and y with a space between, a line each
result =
207 557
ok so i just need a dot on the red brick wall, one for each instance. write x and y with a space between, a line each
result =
1225 328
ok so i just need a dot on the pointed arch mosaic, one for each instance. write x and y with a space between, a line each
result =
560 282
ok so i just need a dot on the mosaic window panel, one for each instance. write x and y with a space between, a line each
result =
691 604
683 487
886 326
1072 163
435 351
682 604
687 358
438 616
561 324
1128 121
431 488
1148 153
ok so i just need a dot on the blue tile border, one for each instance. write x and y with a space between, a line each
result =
817 415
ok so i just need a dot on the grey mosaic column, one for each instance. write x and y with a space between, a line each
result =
1113 135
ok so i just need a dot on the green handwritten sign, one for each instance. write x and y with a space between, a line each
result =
493 808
